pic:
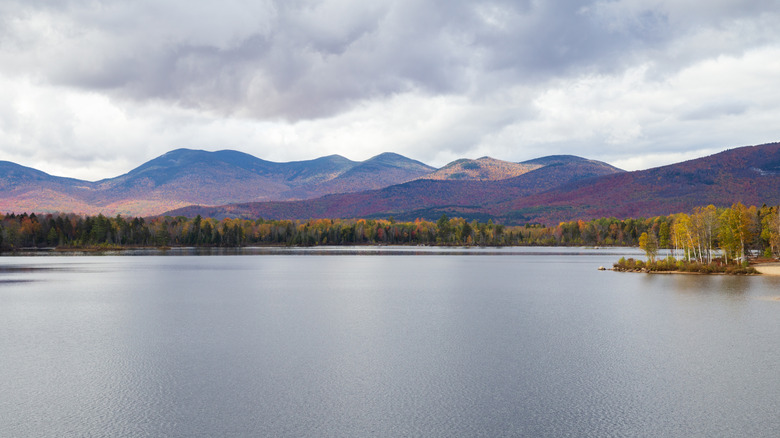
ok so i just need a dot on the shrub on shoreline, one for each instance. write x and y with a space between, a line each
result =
670 264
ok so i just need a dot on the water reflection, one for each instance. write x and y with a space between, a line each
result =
25 273
698 284
737 286
23 268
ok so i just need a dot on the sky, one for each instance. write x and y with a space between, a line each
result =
92 89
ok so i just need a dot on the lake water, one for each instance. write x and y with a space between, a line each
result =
382 342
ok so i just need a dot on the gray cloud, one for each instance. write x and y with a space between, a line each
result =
305 59
432 79
711 110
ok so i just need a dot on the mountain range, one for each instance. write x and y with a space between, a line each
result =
184 177
545 190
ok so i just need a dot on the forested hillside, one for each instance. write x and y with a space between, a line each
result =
423 198
564 188
546 190
750 175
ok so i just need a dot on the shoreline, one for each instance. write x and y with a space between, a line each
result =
644 271
771 268
716 267
762 268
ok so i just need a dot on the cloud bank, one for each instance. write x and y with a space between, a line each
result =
94 88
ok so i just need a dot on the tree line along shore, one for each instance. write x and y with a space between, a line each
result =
734 234
710 240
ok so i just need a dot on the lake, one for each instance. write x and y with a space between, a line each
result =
382 342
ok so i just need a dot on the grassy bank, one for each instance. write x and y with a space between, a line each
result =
672 265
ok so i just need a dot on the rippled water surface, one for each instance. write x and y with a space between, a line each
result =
382 342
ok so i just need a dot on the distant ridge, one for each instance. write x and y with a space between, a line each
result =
547 189
424 198
564 188
184 176
749 174
383 170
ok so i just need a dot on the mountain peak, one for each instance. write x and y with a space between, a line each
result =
552 160
481 169
387 156
398 160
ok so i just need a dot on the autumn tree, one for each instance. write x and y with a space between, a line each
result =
770 230
649 244
664 235
703 225
735 231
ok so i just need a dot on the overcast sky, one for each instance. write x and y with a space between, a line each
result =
92 89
